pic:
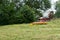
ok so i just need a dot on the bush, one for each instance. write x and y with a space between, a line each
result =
6 13
25 15
57 15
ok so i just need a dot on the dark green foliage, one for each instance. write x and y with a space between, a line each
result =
6 12
38 12
57 15
42 4
3 18
33 4
46 4
10 13
25 15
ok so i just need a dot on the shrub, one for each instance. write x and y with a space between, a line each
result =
25 15
57 15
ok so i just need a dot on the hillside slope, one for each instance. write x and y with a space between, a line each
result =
51 31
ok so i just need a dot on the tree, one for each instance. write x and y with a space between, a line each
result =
25 15
57 15
38 4
15 12
46 4
6 11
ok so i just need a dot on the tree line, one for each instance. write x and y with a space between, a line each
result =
18 11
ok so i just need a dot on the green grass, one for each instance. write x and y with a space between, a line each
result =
51 31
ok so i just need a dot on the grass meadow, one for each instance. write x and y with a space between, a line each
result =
50 31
